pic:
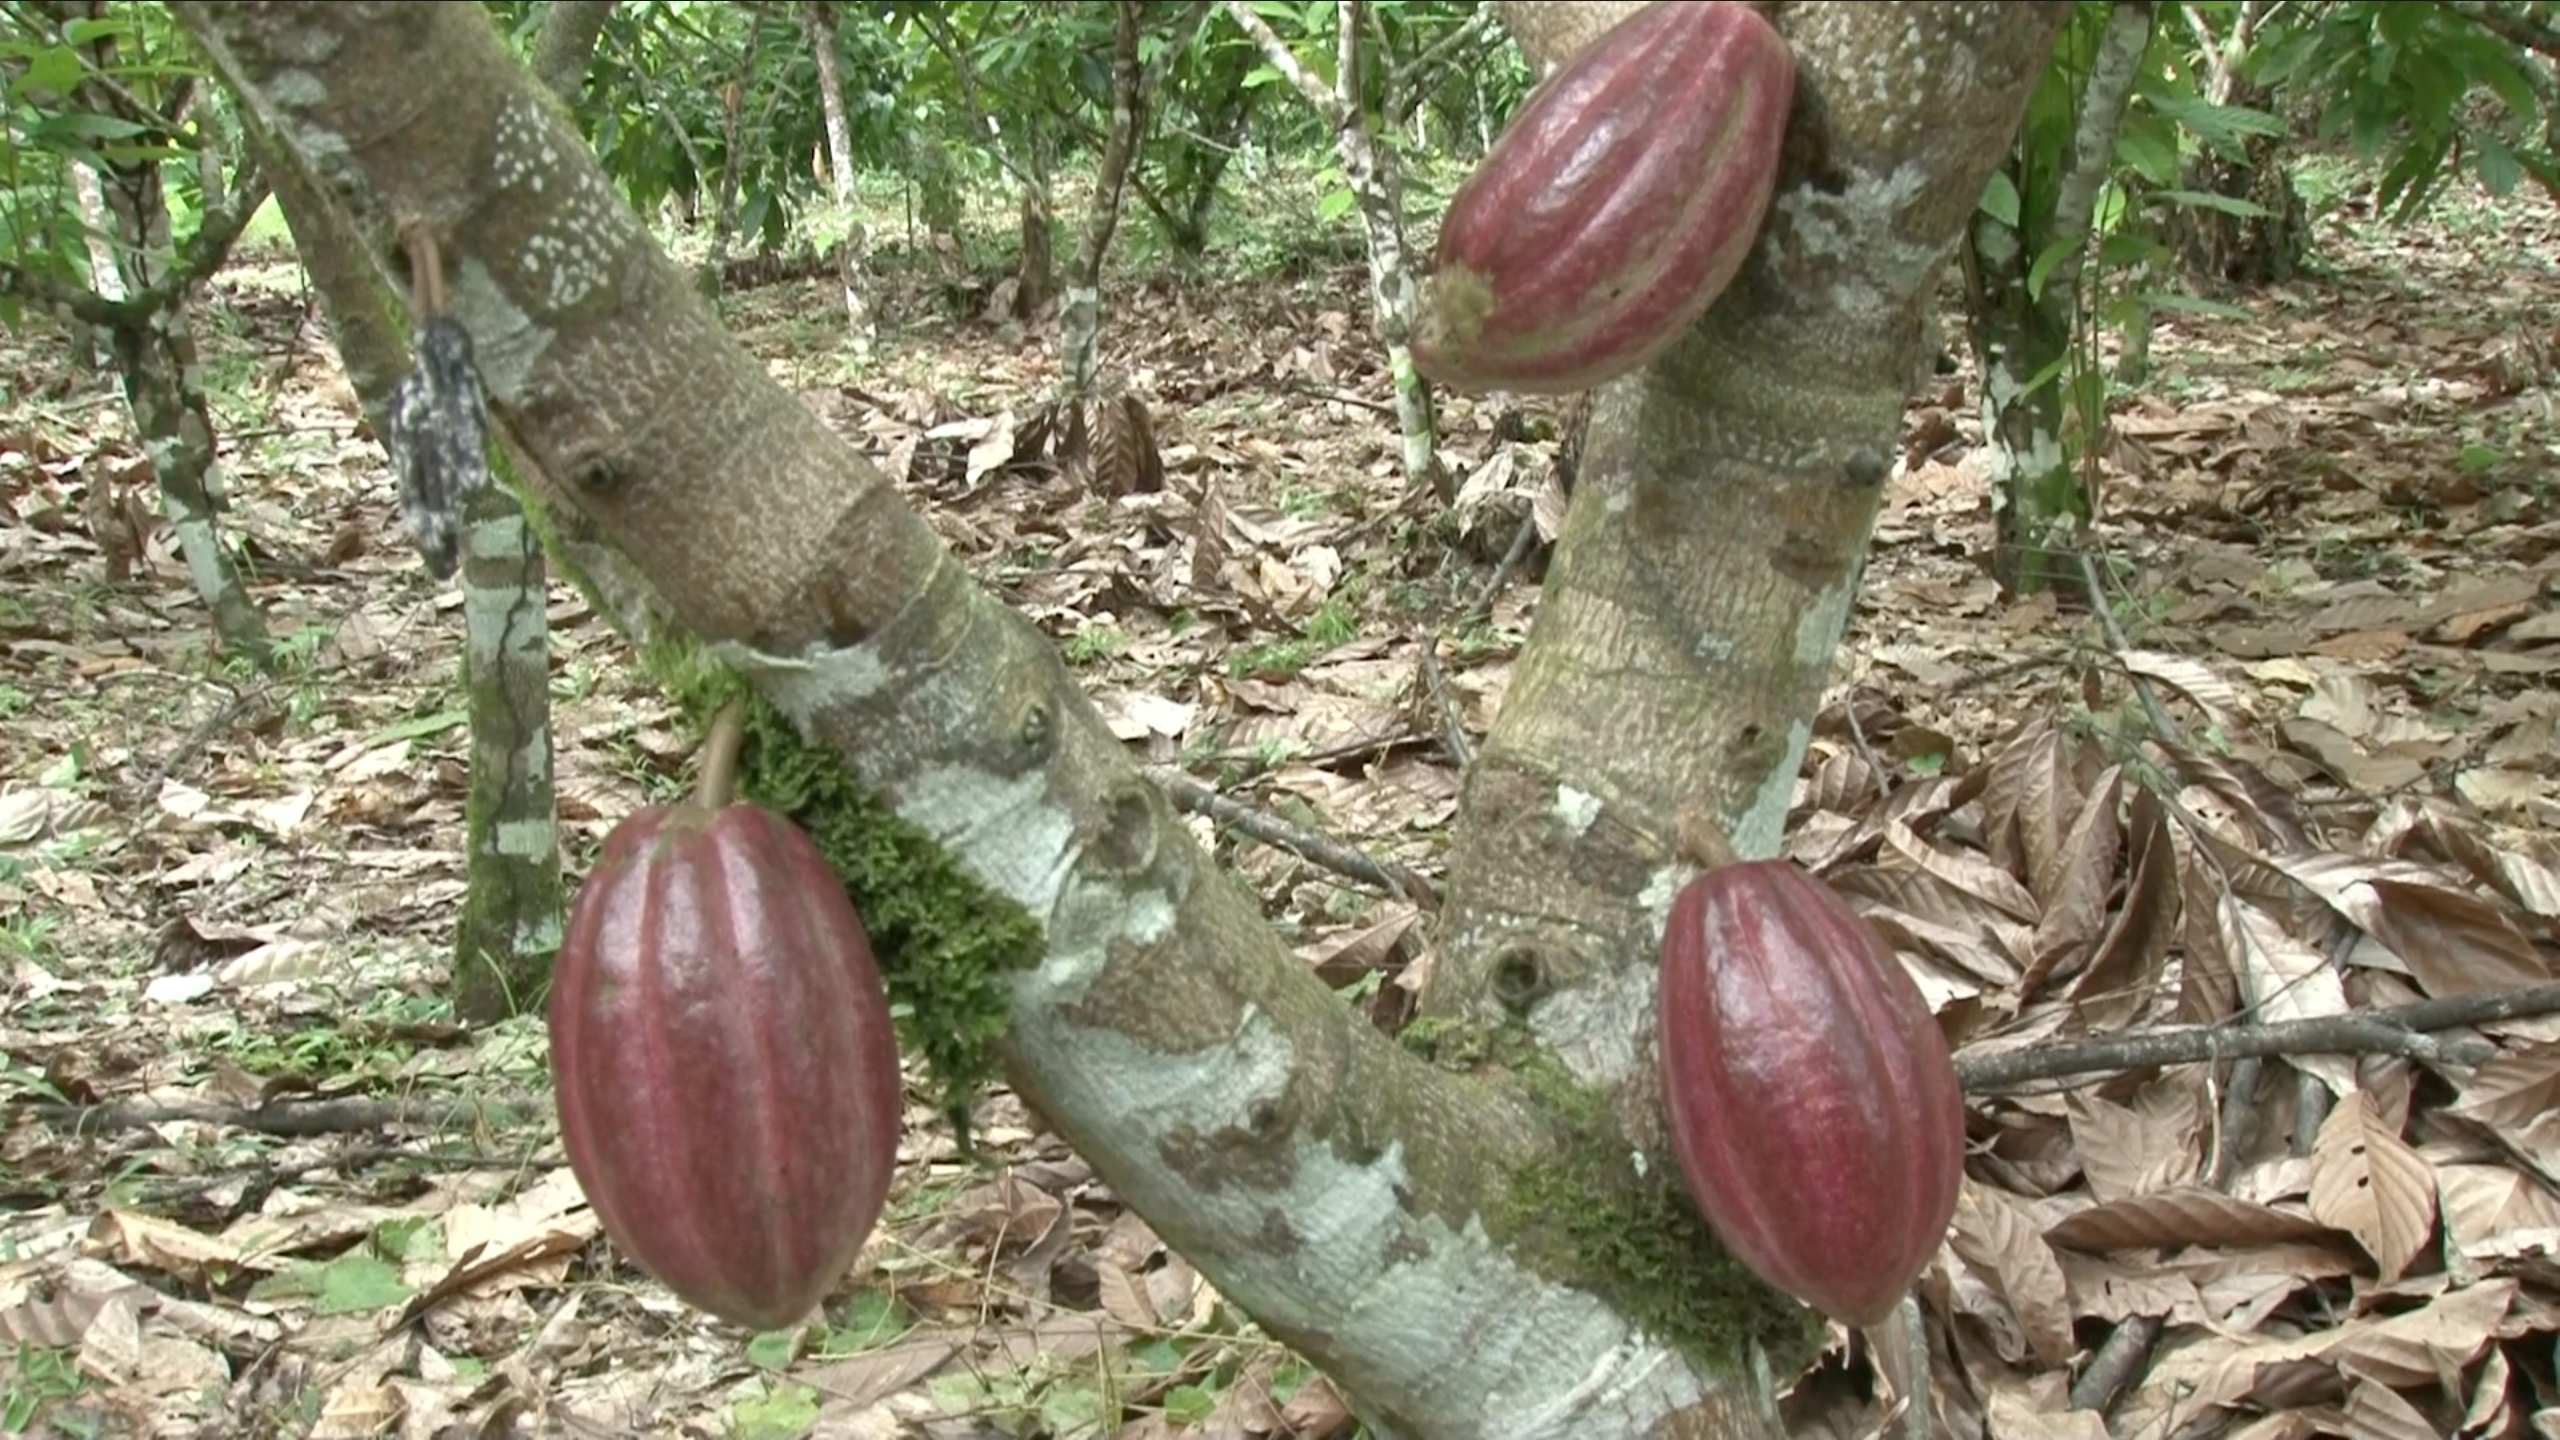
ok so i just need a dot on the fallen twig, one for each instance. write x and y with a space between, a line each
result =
1306 844
2399 1030
340 1115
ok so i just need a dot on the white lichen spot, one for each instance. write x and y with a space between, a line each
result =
802 685
1662 888
1762 826
1004 828
1598 1029
297 89
1618 502
527 839
1576 810
576 249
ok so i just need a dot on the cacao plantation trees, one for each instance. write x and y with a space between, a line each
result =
1471 1249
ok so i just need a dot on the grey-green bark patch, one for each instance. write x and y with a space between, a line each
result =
945 943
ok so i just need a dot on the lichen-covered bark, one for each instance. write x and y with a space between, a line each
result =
1349 1196
1711 555
1377 195
510 924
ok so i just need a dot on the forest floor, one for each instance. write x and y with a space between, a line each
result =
253 1181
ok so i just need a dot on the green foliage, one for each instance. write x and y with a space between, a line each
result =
2426 89
944 942
89 90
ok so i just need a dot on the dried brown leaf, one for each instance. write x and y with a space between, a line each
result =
2072 893
2102 1289
2495 1212
2421 1347
2189 1216
2368 1182
2514 1086
2028 797
2126 1152
2117 983
2453 942
1964 871
2285 979
2209 982
2000 1242
2377 1412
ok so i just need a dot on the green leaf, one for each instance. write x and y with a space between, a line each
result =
773 1349
872 1319
1336 204
413 729
2000 199
786 1414
2476 458
2208 200
354 1283
1190 1404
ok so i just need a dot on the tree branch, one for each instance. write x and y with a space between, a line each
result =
1307 845
2516 29
2401 1030
1285 60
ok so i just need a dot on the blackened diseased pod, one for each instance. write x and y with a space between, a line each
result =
439 425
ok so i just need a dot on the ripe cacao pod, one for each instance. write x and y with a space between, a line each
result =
726 1069
1810 1096
1615 208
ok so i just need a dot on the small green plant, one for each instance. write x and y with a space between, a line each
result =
1096 642
42 1378
1335 622
1275 659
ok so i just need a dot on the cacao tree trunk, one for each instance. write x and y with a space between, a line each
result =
818 22
1447 1246
1377 193
2260 248
2042 406
512 892
153 346
724 216
566 42
1080 319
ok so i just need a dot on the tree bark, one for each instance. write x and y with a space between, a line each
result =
566 42
1377 190
818 23
1711 554
1373 1210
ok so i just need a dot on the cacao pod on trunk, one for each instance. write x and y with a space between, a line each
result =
726 1069
1810 1095
1615 208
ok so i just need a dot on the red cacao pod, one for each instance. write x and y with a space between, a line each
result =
1811 1099
726 1069
1615 208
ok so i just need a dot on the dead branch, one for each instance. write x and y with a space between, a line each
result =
2399 1030
340 1115
1307 845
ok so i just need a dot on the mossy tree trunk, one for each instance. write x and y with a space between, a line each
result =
1445 1244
